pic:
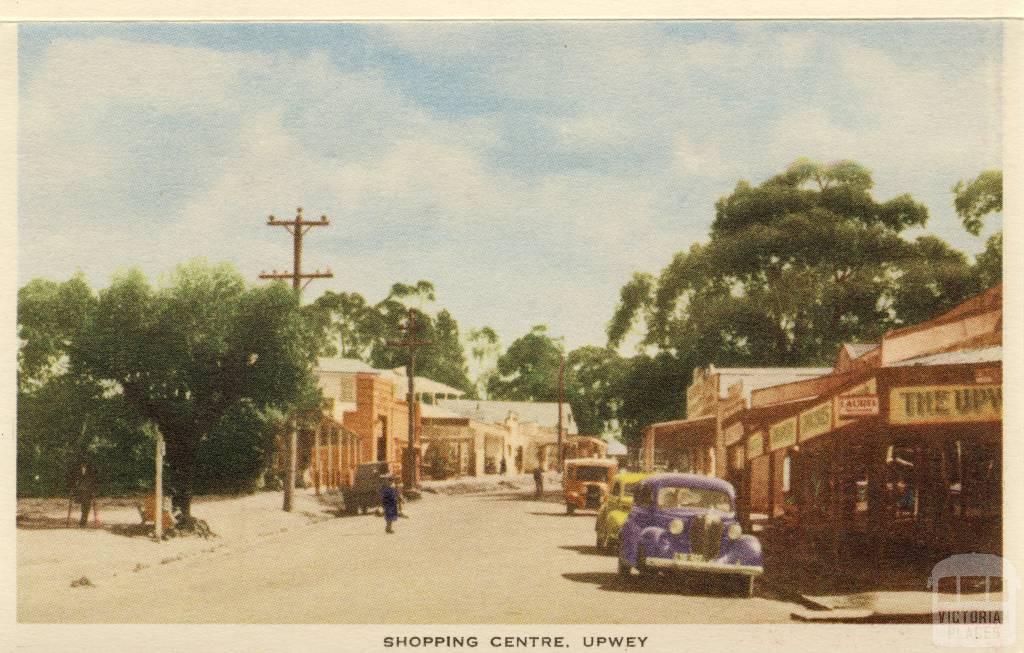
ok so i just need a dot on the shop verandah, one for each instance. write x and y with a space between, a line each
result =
895 457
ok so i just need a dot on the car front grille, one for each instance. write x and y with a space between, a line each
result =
706 535
593 497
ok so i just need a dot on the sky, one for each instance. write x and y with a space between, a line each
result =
527 169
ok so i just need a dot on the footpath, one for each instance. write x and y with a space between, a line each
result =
53 556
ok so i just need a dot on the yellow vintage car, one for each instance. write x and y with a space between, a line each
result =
616 508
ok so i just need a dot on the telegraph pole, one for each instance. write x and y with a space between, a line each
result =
297 228
561 398
411 343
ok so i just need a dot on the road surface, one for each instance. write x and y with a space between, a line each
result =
456 559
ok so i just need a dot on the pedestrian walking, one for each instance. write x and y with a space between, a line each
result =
538 481
389 501
82 486
504 466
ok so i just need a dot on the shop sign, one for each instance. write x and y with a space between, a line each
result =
988 375
869 387
731 406
732 433
755 444
848 406
702 397
943 404
782 434
816 421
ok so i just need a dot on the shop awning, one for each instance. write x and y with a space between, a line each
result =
696 432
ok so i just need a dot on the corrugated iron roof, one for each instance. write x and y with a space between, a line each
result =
858 349
616 448
355 366
542 413
755 378
962 357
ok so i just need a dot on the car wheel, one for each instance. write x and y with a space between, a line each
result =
641 563
569 508
624 568
602 542
746 586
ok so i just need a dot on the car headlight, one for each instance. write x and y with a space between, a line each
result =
675 526
735 530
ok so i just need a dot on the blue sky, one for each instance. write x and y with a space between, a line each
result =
526 168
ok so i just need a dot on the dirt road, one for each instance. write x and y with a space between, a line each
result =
457 559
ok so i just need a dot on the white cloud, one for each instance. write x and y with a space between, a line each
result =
148 154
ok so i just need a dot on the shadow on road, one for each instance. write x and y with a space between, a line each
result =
549 497
589 550
561 514
611 581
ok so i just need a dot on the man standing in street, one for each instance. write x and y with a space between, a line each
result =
389 501
538 481
82 486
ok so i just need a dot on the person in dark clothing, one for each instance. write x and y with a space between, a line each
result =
389 501
504 466
82 486
538 481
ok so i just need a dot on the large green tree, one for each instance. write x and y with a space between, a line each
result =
62 415
350 320
485 347
186 354
365 331
651 389
976 198
794 267
593 380
528 370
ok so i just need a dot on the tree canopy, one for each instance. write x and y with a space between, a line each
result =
364 331
794 267
528 370
183 355
976 198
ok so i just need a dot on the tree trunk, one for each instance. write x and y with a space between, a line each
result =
181 462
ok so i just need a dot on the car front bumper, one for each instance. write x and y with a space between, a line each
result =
700 566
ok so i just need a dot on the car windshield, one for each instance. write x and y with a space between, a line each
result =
691 497
627 491
591 474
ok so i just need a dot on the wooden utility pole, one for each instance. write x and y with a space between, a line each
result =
412 344
297 228
158 489
561 398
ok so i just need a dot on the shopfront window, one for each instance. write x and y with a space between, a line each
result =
981 479
903 486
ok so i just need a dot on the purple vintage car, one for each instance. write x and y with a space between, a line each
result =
687 522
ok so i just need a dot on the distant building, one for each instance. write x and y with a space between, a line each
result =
366 419
479 434
715 397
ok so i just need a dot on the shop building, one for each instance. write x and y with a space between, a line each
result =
900 445
715 401
366 420
473 447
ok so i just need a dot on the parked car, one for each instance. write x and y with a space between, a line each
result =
585 482
616 509
365 491
687 523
